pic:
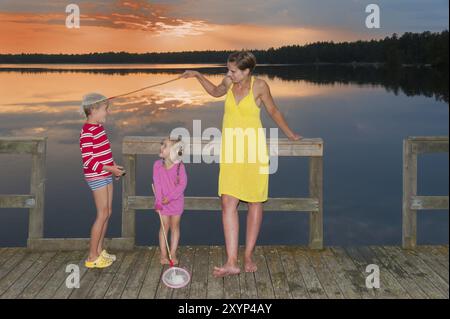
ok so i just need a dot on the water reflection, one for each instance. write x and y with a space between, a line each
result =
362 114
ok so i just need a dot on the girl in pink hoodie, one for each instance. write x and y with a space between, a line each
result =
169 181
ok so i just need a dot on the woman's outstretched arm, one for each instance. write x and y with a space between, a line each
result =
211 88
274 112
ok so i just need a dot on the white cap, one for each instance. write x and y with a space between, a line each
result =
90 99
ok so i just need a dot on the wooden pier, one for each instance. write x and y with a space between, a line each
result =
287 272
283 272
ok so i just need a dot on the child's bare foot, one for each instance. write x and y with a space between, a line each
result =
165 260
226 270
250 266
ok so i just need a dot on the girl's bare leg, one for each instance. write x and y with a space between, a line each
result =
162 242
101 203
174 237
254 220
105 226
230 221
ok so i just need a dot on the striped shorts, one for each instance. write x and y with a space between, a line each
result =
99 183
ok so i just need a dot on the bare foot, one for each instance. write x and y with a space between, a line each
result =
250 266
165 261
226 270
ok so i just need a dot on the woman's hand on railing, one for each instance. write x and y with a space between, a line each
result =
295 137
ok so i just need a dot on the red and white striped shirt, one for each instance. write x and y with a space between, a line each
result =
95 151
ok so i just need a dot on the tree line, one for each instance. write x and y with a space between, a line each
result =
426 48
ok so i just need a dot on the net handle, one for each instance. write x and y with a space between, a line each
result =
164 231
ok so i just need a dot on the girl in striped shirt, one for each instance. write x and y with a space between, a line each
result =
98 167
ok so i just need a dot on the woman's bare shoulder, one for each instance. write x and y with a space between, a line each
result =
227 82
260 85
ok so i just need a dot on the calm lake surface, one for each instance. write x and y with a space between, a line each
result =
362 114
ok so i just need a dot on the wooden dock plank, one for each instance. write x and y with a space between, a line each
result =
215 285
27 277
5 255
86 283
15 257
283 272
138 274
433 259
423 268
390 287
101 285
356 275
152 278
345 283
439 252
419 277
18 270
297 286
247 281
401 275
187 259
120 280
325 276
199 278
44 276
313 284
231 285
63 292
264 285
54 283
277 274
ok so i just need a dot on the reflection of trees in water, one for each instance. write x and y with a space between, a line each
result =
409 80
412 81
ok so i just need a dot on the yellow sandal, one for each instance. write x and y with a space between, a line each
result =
105 255
100 262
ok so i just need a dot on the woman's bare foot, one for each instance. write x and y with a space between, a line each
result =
226 270
250 266
165 260
174 260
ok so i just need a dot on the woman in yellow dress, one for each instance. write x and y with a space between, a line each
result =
244 162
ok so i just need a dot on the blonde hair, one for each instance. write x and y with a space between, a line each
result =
243 59
92 101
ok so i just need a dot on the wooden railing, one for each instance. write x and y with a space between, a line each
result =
36 147
134 146
312 148
412 147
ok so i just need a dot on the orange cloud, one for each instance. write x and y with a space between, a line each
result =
139 26
128 15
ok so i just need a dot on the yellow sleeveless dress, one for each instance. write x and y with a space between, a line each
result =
244 161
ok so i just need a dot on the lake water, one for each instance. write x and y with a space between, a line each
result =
362 114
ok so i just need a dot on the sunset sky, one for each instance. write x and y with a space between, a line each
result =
31 26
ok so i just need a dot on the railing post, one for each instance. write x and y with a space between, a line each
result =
316 192
37 189
129 189
409 228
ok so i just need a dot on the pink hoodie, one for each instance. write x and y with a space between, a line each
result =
168 185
